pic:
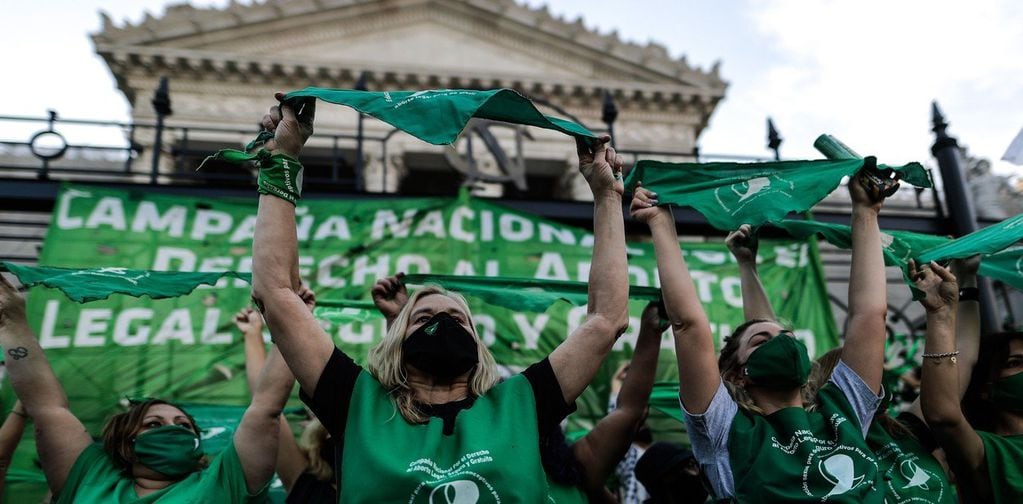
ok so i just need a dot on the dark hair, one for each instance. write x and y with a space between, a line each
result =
120 430
1000 350
728 361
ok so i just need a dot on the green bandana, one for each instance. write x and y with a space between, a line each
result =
82 285
438 116
1007 393
1006 266
172 450
664 398
780 363
523 294
345 311
994 238
279 174
732 194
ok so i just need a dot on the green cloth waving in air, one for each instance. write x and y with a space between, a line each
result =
438 116
82 285
522 294
732 194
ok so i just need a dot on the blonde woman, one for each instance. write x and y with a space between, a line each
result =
427 421
745 412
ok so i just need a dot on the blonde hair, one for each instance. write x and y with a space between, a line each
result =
311 442
386 361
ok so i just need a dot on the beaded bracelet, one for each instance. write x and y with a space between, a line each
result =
942 355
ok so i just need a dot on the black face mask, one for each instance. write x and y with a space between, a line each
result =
441 347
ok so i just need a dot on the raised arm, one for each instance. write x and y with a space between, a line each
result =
259 432
863 351
10 437
290 460
304 344
743 244
939 387
578 358
600 450
967 326
389 296
698 373
60 437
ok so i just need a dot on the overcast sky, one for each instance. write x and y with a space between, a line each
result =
863 70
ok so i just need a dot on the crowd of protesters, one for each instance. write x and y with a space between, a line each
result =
430 418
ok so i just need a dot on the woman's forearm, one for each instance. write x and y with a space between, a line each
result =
28 369
609 274
939 388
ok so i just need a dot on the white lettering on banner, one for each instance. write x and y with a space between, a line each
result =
209 334
412 263
245 231
356 333
464 268
703 281
549 233
65 221
731 289
630 336
582 271
211 222
387 221
335 227
305 266
47 338
216 264
109 212
711 256
487 226
167 256
123 325
365 274
324 276
431 224
305 223
458 232
148 218
515 228
244 266
551 267
486 328
91 322
531 330
177 326
637 276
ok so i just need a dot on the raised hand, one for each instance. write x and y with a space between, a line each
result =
650 319
248 321
743 244
644 205
870 187
12 304
938 283
291 127
600 165
390 295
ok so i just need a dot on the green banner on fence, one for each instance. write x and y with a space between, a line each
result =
185 349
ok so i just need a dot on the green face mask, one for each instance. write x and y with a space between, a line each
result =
172 450
1007 393
781 363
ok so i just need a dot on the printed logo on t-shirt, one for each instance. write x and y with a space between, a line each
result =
459 484
906 480
830 468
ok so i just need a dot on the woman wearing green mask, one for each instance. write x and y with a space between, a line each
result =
150 454
428 419
988 465
745 412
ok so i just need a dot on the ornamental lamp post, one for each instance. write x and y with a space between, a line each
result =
774 140
162 106
360 85
960 207
608 114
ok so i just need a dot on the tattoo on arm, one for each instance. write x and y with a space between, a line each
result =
18 353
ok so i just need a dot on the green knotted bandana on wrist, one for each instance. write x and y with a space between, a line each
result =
280 175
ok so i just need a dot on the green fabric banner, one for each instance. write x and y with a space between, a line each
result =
989 240
732 194
186 349
93 284
1006 266
438 116
523 294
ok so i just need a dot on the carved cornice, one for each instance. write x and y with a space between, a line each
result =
188 64
183 21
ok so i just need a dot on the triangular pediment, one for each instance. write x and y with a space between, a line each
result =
490 38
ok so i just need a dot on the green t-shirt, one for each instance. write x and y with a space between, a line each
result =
492 455
908 472
1004 456
94 479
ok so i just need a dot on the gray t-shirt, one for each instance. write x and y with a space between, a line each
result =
709 431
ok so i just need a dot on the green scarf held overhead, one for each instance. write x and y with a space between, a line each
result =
1006 266
732 194
898 246
346 311
438 116
523 294
994 238
83 285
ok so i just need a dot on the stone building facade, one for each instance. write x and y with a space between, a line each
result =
224 64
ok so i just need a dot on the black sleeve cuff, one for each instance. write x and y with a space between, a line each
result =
551 407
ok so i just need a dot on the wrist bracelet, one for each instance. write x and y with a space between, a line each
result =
969 294
951 355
